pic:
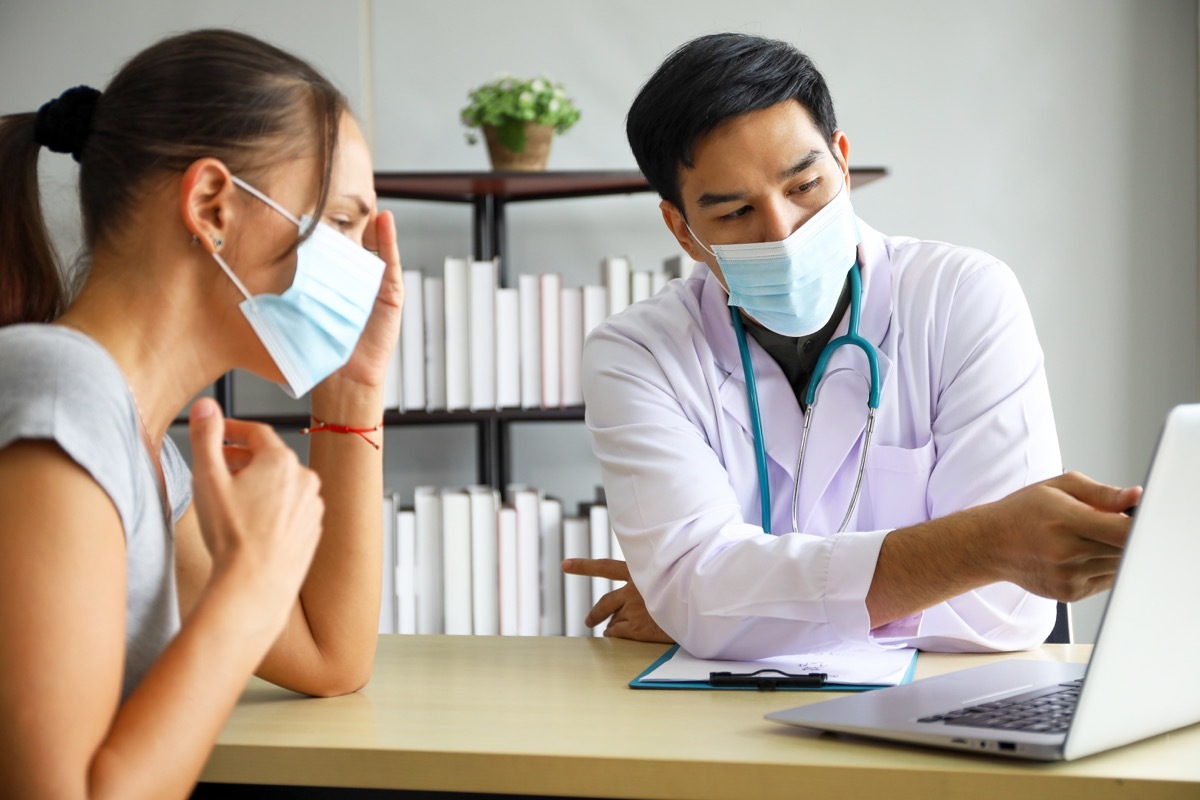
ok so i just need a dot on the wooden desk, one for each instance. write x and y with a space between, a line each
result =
553 716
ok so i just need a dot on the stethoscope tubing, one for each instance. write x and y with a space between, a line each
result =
851 338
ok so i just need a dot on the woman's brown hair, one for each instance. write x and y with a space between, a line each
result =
207 93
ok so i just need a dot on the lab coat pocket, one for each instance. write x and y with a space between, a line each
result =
897 479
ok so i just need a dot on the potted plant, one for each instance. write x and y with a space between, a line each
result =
518 118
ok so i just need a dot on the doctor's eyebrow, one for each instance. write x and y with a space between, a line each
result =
710 199
812 157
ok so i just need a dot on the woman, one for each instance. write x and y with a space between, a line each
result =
136 599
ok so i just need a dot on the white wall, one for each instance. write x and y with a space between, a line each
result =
1060 136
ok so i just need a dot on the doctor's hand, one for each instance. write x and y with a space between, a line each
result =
630 618
1063 536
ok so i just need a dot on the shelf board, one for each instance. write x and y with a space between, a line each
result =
397 418
467 187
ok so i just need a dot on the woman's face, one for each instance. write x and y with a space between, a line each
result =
350 208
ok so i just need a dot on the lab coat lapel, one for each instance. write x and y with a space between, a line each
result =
782 420
840 413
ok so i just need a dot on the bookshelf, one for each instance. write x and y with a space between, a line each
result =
488 194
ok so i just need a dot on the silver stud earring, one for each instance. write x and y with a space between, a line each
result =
217 242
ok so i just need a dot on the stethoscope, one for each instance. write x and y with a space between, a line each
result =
852 337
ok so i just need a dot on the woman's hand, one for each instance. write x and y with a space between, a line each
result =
368 363
259 509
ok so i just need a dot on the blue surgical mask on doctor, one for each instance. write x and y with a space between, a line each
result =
793 286
311 330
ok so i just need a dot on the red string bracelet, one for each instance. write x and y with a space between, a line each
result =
329 427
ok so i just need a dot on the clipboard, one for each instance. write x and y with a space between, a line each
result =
764 681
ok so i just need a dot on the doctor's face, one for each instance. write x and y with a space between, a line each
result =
756 178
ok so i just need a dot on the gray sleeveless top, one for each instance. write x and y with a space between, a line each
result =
58 384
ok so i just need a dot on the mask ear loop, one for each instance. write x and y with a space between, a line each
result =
241 183
696 239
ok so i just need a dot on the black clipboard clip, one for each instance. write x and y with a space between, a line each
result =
759 679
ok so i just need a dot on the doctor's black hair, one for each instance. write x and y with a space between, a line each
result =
206 93
707 81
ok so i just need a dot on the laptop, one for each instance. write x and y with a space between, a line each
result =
1141 680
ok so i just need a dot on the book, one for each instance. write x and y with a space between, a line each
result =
412 340
506 536
595 308
508 348
527 502
482 326
571 345
550 299
601 547
551 519
577 589
529 302
639 286
435 343
616 271
387 598
428 510
456 561
458 331
392 389
485 565
406 571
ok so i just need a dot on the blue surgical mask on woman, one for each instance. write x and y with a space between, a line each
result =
793 286
311 330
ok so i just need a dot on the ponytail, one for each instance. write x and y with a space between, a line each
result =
31 285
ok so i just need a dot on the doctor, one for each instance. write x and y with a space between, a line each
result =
944 524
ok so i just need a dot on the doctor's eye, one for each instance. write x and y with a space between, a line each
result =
806 187
741 212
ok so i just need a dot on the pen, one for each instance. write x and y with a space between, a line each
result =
767 682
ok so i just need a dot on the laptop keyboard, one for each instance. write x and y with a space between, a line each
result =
1048 710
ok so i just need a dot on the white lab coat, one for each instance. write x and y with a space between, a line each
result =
964 418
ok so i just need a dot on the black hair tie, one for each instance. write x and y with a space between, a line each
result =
63 124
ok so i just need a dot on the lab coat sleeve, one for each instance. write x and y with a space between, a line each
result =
713 582
993 431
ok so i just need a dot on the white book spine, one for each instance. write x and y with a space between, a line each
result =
428 509
392 389
482 324
551 288
551 518
506 535
508 348
577 589
616 280
458 332
485 565
435 343
456 561
595 307
601 538
529 289
412 339
528 505
406 571
387 603
639 286
571 342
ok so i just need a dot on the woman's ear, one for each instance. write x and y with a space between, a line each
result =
206 202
